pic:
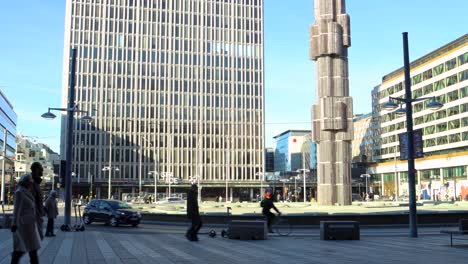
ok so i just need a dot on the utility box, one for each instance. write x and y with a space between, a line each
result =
339 230
248 229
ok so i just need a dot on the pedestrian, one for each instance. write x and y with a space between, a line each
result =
193 214
52 213
267 204
24 223
36 173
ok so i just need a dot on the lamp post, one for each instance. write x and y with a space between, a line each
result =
110 168
408 100
367 176
71 109
304 170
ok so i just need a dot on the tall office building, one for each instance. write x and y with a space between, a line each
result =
177 86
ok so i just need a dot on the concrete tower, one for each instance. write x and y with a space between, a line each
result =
332 126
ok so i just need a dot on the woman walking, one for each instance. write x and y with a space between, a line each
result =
24 223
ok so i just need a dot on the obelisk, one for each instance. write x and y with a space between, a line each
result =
332 123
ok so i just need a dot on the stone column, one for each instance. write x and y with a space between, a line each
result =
332 115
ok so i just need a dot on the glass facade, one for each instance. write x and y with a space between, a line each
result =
8 121
291 147
177 85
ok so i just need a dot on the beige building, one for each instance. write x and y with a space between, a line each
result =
442 172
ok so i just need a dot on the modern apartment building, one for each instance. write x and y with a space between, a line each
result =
442 172
176 88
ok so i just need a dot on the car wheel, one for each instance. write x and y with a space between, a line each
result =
86 220
113 222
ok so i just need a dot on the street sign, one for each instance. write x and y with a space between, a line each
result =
417 145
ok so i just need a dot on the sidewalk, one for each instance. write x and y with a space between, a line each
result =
167 244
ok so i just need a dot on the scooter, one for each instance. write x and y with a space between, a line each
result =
79 225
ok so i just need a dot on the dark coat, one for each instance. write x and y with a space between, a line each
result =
192 204
26 238
37 193
267 205
51 206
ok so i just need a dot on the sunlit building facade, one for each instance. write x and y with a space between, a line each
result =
176 87
442 172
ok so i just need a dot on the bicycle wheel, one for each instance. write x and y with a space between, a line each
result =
282 228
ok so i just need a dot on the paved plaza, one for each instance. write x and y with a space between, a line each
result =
166 244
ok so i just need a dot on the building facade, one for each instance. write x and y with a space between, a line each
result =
29 151
442 172
176 87
362 144
8 121
294 150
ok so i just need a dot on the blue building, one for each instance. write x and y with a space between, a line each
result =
291 147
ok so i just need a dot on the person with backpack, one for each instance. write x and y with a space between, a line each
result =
267 204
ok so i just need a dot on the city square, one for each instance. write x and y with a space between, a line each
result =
305 131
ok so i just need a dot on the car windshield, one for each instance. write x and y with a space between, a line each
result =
120 205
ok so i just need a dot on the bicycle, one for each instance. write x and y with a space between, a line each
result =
281 226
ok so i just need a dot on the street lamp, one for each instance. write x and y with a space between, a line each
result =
108 168
367 176
71 110
408 100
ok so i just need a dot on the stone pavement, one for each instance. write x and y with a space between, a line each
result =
167 244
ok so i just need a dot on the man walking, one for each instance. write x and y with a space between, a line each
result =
36 173
52 213
193 213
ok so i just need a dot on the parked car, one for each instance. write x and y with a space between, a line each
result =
111 212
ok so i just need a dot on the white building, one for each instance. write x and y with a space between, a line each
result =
178 89
442 74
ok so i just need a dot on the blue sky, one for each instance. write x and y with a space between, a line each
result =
31 49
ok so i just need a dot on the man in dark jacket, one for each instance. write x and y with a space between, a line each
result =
36 173
267 204
193 213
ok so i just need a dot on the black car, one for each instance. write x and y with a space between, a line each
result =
110 212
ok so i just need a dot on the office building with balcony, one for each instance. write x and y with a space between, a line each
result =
176 90
442 171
